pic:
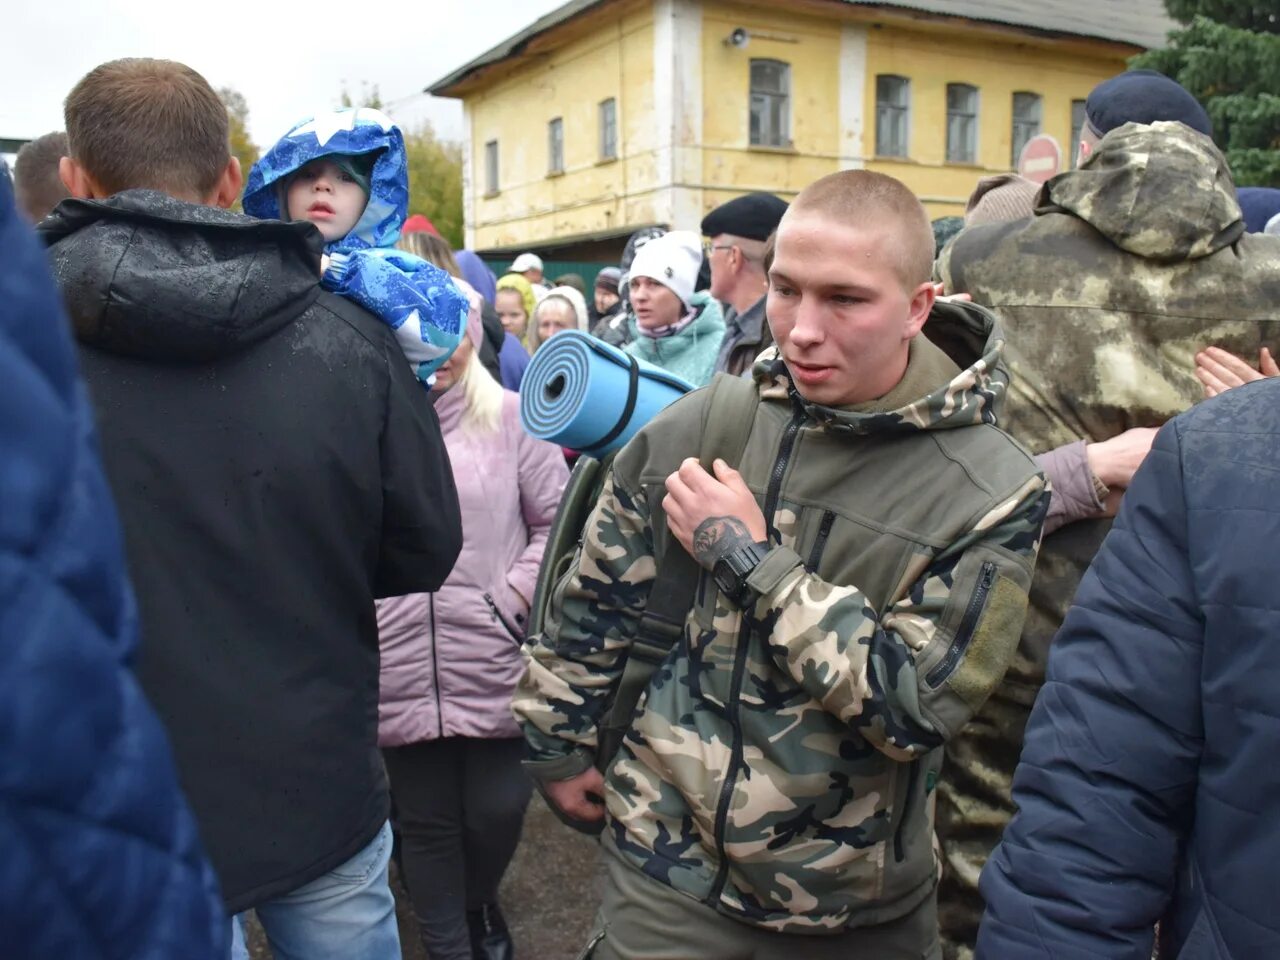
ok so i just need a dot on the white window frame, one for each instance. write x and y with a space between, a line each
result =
608 114
769 111
1024 128
896 114
491 168
555 145
964 123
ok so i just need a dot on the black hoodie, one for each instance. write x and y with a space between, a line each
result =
277 466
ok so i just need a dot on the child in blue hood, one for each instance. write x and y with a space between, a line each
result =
346 172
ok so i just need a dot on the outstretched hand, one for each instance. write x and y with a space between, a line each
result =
1218 371
711 516
1115 461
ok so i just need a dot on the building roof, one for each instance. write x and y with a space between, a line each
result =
1139 23
1142 23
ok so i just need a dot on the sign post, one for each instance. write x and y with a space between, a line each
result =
1041 158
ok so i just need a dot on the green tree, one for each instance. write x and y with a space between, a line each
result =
242 146
435 168
369 97
435 180
1228 55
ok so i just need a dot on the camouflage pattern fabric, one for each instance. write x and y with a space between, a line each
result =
1133 263
782 764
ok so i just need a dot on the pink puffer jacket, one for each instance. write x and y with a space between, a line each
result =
451 659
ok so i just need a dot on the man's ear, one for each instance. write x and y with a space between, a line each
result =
920 306
1082 154
229 185
77 180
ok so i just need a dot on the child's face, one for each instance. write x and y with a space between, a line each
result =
510 309
326 195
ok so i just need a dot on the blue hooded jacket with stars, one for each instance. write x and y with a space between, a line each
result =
417 299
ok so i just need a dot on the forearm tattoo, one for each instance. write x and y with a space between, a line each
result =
718 536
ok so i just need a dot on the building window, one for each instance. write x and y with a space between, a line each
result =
893 108
1026 122
770 103
491 167
555 146
1077 129
608 129
962 123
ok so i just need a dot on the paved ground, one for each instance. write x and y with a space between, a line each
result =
549 896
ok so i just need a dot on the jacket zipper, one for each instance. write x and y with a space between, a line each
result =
913 770
819 545
515 634
779 471
435 662
785 448
968 623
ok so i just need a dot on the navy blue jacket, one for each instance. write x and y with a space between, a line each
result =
1149 782
99 856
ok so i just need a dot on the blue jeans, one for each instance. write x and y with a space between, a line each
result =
348 914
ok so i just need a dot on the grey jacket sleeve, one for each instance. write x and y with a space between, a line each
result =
1074 494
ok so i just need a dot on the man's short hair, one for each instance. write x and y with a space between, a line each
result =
861 197
35 175
148 123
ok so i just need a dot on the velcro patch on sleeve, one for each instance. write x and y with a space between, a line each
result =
995 640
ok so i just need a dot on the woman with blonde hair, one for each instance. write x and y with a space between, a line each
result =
450 662
563 308
432 248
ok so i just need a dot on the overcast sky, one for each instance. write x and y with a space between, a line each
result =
288 59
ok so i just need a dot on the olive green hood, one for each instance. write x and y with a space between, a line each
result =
1160 191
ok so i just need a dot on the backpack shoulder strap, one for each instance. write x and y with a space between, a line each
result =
730 412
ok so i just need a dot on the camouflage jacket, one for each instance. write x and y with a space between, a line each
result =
1132 263
781 763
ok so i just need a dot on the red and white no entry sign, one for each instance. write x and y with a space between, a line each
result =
1041 158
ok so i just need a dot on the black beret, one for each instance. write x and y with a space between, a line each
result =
1143 96
753 217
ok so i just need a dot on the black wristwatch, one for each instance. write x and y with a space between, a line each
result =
731 571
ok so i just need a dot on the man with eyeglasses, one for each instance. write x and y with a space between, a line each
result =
737 232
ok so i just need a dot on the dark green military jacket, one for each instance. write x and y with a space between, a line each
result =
1132 264
782 765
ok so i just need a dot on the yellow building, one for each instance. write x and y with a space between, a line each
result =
608 115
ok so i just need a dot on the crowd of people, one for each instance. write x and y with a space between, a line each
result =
949 639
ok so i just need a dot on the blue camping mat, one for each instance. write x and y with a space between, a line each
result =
582 393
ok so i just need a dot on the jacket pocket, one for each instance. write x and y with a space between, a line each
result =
515 632
968 624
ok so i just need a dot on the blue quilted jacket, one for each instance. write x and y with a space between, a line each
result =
99 856
1148 784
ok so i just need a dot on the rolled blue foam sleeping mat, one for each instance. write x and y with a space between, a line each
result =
581 393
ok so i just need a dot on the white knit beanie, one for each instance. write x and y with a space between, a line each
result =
673 260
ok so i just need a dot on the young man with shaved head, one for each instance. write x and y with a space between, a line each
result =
864 569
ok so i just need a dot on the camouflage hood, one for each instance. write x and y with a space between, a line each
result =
955 378
1163 192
